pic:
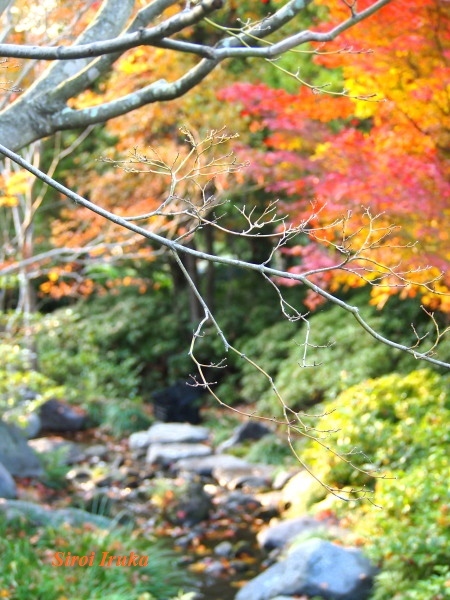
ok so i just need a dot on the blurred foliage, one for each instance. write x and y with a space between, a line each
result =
28 573
397 427
73 351
22 389
270 450
410 539
143 344
112 351
126 417
269 349
19 383
55 467
339 354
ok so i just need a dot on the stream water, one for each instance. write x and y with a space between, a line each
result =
219 552
226 558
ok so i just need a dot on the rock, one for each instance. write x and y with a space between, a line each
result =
237 476
206 465
214 568
79 475
176 433
238 501
67 453
7 484
300 492
271 505
224 549
282 478
59 416
30 425
15 453
139 440
97 451
190 505
278 535
315 568
165 454
271 501
250 430
38 515
180 433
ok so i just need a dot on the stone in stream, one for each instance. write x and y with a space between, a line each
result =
166 454
205 466
315 568
278 535
168 433
190 504
247 475
239 502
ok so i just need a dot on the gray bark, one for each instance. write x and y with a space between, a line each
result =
42 109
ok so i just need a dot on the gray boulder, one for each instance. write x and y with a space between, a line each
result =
315 568
206 465
66 453
7 484
59 416
30 425
166 454
250 430
168 433
139 440
246 475
190 505
15 453
278 535
40 515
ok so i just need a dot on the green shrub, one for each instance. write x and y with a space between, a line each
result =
22 389
125 417
384 422
73 351
397 425
269 350
410 535
339 354
270 450
55 467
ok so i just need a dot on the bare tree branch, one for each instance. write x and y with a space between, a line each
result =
230 47
42 109
176 247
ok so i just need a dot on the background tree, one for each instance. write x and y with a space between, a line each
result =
120 81
387 154
45 106
104 74
325 128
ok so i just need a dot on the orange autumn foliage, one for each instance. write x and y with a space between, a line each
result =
383 157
